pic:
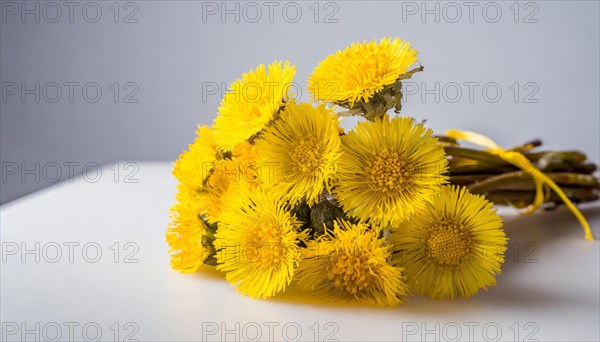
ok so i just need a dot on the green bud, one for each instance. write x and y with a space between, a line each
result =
322 215
302 213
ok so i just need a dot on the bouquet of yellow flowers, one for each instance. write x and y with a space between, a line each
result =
276 193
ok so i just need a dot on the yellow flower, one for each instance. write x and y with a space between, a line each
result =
361 70
352 264
257 243
302 148
229 177
186 231
454 247
195 164
251 103
388 169
245 151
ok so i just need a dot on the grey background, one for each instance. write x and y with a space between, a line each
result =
175 52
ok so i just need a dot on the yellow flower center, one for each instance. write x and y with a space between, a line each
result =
306 156
389 173
350 273
448 244
264 246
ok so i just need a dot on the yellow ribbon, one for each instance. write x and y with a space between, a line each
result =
520 161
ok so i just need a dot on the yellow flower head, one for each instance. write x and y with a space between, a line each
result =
251 103
454 247
195 164
302 148
361 70
246 152
186 230
229 178
352 264
388 169
257 243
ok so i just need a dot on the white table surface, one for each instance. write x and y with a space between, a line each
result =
548 291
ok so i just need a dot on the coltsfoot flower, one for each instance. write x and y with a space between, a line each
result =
303 147
388 169
196 163
251 103
186 231
352 263
453 247
361 70
229 178
257 243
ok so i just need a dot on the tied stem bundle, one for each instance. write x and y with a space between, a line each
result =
530 172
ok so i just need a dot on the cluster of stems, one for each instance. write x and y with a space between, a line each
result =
504 184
